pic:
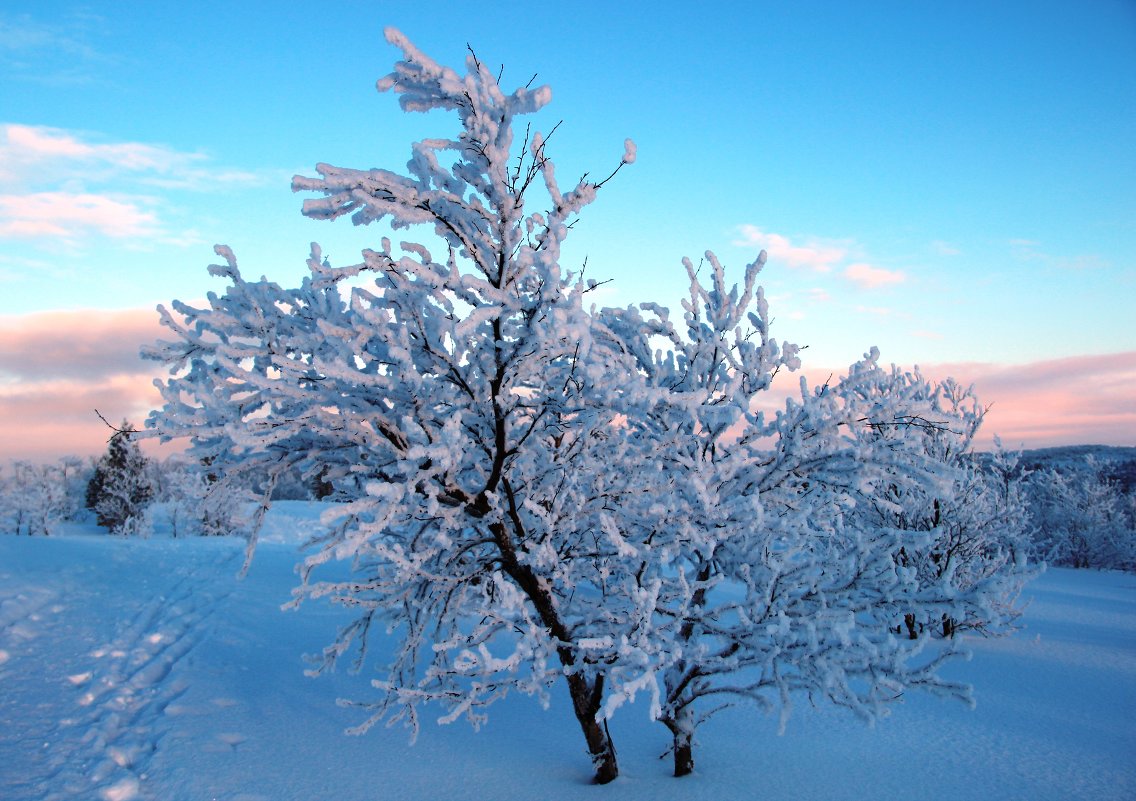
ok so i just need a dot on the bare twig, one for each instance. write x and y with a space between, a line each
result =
126 432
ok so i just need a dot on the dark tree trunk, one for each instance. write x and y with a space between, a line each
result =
586 698
683 755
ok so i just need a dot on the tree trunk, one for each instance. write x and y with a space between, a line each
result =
682 732
683 754
586 698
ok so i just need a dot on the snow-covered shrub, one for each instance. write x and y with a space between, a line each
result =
975 520
74 473
290 486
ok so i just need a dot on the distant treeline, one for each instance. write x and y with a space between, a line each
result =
1081 499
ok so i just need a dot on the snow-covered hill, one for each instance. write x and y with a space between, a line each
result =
145 669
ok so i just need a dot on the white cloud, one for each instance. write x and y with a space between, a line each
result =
28 146
877 311
1030 250
52 54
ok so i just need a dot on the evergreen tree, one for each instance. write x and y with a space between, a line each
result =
120 488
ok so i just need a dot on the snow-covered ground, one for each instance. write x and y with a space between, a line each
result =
144 669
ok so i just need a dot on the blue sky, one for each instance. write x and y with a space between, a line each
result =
955 183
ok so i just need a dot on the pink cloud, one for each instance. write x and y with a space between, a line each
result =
866 276
819 258
59 186
56 368
70 216
44 142
39 155
26 150
85 345
1071 401
58 419
1086 400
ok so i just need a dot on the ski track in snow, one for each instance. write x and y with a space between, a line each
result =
108 715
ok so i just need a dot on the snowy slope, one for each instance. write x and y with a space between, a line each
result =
144 669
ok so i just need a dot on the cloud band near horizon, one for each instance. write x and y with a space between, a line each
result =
56 368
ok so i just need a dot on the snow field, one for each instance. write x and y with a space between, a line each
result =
145 669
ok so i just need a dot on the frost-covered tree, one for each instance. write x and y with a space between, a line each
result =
1084 519
75 473
120 489
535 491
471 400
33 498
970 531
197 505
785 568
